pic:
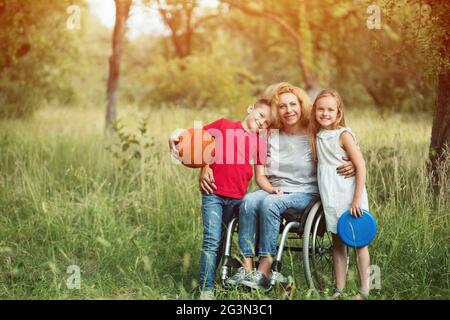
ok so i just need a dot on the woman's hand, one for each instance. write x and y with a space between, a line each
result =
206 180
356 209
347 169
173 142
277 191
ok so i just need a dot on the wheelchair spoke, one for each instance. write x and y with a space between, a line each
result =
321 261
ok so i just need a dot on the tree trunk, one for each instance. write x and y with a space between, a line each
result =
174 19
440 135
376 98
311 83
122 12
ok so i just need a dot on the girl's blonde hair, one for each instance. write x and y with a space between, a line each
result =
314 126
273 93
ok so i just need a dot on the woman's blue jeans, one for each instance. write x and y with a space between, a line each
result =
266 209
217 212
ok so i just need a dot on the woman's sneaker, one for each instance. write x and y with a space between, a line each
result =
256 280
237 277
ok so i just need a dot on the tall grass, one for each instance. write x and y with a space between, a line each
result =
134 228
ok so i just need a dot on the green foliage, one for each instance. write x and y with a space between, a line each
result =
133 150
18 99
34 45
212 77
42 61
231 57
391 68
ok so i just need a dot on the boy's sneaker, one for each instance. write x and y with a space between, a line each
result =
256 280
207 295
237 277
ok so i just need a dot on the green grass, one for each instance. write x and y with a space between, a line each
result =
133 224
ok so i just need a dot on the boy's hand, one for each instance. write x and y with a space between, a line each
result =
206 180
356 209
173 143
347 169
277 191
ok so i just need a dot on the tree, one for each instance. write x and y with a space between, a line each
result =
183 22
122 13
266 11
37 55
440 135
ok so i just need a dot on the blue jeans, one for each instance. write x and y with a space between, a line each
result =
265 208
217 211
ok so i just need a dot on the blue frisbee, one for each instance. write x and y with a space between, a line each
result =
357 232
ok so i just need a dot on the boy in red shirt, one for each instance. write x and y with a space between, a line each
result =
224 182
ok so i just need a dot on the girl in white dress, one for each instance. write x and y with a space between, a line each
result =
331 140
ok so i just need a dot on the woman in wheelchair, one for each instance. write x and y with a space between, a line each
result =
288 180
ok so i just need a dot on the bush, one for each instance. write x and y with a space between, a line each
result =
17 100
202 79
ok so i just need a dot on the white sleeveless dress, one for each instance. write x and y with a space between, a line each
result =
335 191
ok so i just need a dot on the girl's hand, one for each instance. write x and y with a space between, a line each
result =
356 209
173 143
347 169
206 180
277 191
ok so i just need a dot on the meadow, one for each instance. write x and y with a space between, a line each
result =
130 218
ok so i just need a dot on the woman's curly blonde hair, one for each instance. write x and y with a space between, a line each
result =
273 93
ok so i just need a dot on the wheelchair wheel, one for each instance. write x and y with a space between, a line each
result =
317 251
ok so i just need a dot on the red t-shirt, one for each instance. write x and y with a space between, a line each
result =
235 151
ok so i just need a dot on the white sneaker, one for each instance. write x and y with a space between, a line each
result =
207 295
237 277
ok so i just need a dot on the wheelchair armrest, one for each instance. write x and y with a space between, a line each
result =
292 214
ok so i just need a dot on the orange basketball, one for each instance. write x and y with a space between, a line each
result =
196 148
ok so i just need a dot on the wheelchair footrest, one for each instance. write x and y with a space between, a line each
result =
277 277
232 262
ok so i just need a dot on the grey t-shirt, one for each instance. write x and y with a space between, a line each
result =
290 165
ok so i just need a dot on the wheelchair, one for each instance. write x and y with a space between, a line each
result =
307 229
